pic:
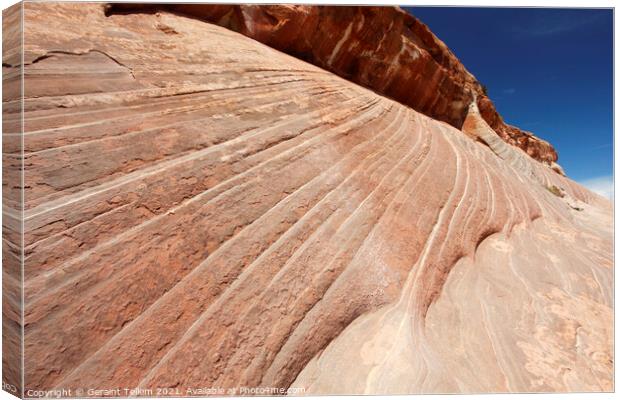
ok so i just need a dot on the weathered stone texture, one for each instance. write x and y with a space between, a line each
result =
12 202
202 210
382 48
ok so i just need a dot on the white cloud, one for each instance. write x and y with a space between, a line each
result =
555 24
603 185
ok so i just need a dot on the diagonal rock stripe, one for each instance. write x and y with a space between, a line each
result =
201 210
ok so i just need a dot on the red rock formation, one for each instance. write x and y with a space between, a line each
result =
12 255
203 211
382 48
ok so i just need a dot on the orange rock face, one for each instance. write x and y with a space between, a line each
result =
382 48
203 211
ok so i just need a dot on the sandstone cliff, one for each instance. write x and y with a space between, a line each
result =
382 48
202 210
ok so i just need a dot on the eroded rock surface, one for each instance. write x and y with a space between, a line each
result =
205 211
382 48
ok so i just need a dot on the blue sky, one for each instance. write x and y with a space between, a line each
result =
548 71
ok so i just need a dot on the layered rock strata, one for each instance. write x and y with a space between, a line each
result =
201 210
12 202
382 48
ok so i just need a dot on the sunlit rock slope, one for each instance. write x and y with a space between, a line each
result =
382 48
204 211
